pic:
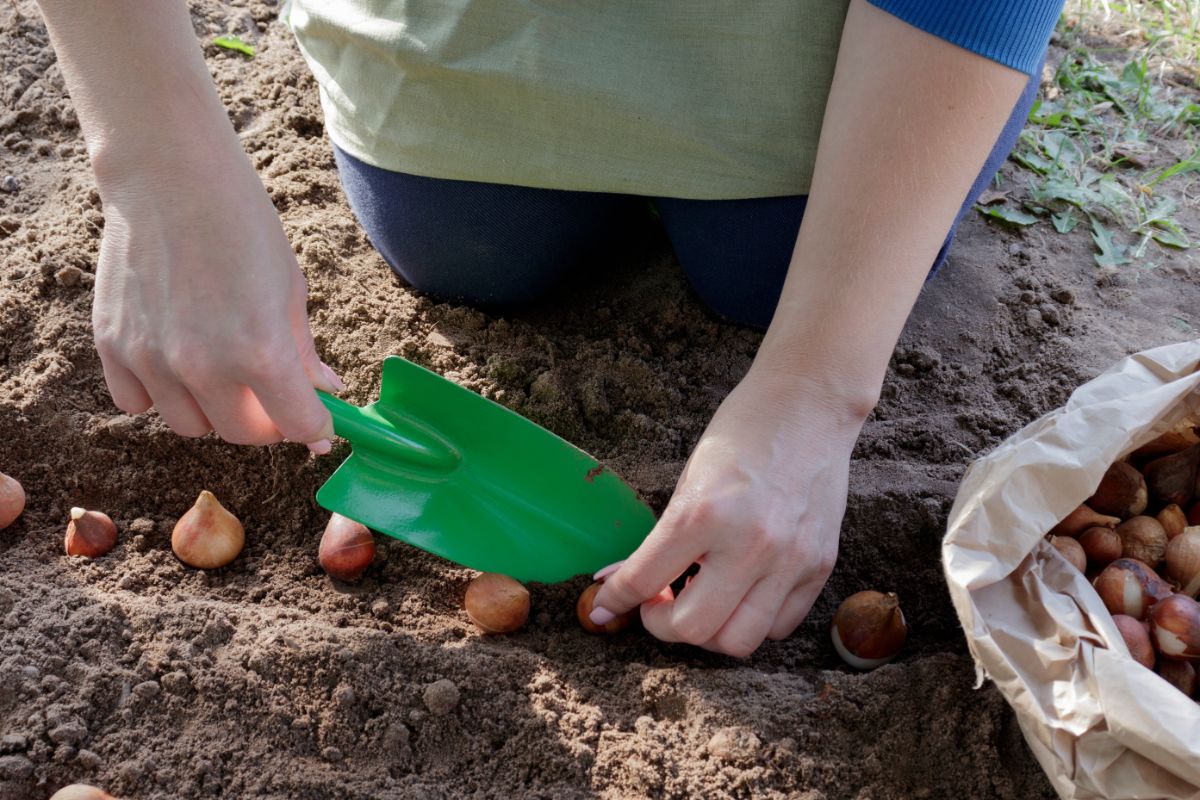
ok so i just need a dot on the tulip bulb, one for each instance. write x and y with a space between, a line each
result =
81 791
1143 538
1175 627
1121 493
1128 586
1102 546
347 548
1180 674
12 500
497 603
1172 479
1183 561
1080 520
89 533
207 536
1071 550
1165 445
869 629
583 610
1137 639
1172 519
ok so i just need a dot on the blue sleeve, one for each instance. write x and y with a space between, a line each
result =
1011 32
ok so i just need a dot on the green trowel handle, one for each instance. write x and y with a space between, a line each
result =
394 438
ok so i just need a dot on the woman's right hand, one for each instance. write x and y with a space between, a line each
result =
200 306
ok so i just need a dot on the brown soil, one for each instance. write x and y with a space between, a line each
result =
266 680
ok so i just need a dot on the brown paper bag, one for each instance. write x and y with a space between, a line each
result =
1101 725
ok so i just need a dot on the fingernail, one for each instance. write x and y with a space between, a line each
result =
601 615
606 571
333 378
320 448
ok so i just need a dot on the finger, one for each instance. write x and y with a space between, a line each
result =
746 629
663 556
709 599
604 572
319 373
656 616
177 407
795 608
235 413
333 377
286 395
127 391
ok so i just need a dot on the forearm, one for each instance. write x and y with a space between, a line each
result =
909 122
138 82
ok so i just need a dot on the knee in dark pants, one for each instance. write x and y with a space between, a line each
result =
753 306
735 253
484 244
449 267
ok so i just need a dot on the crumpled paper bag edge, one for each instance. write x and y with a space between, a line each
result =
1135 400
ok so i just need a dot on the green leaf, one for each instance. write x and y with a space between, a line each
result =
1009 215
1134 79
1033 111
1186 114
1168 232
1065 221
1189 164
234 43
1161 212
1031 161
1057 189
1112 254
1170 239
1054 120
1047 114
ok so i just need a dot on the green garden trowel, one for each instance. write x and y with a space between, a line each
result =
446 470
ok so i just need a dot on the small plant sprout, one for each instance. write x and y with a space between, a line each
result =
234 43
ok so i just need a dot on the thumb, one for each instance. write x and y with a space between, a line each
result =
319 373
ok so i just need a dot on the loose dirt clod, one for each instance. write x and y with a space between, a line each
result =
733 744
441 697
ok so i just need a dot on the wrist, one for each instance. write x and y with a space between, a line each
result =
163 154
794 387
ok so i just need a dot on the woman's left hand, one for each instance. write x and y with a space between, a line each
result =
759 507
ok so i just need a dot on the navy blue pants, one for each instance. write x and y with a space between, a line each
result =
498 246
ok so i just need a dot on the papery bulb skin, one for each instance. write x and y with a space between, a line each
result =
1122 492
1175 627
869 629
347 548
1128 586
207 536
1080 520
89 533
12 500
1172 479
497 603
1137 639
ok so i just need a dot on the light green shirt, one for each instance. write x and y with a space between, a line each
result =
709 99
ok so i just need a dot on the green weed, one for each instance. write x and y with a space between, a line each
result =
1086 147
1170 28
234 43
